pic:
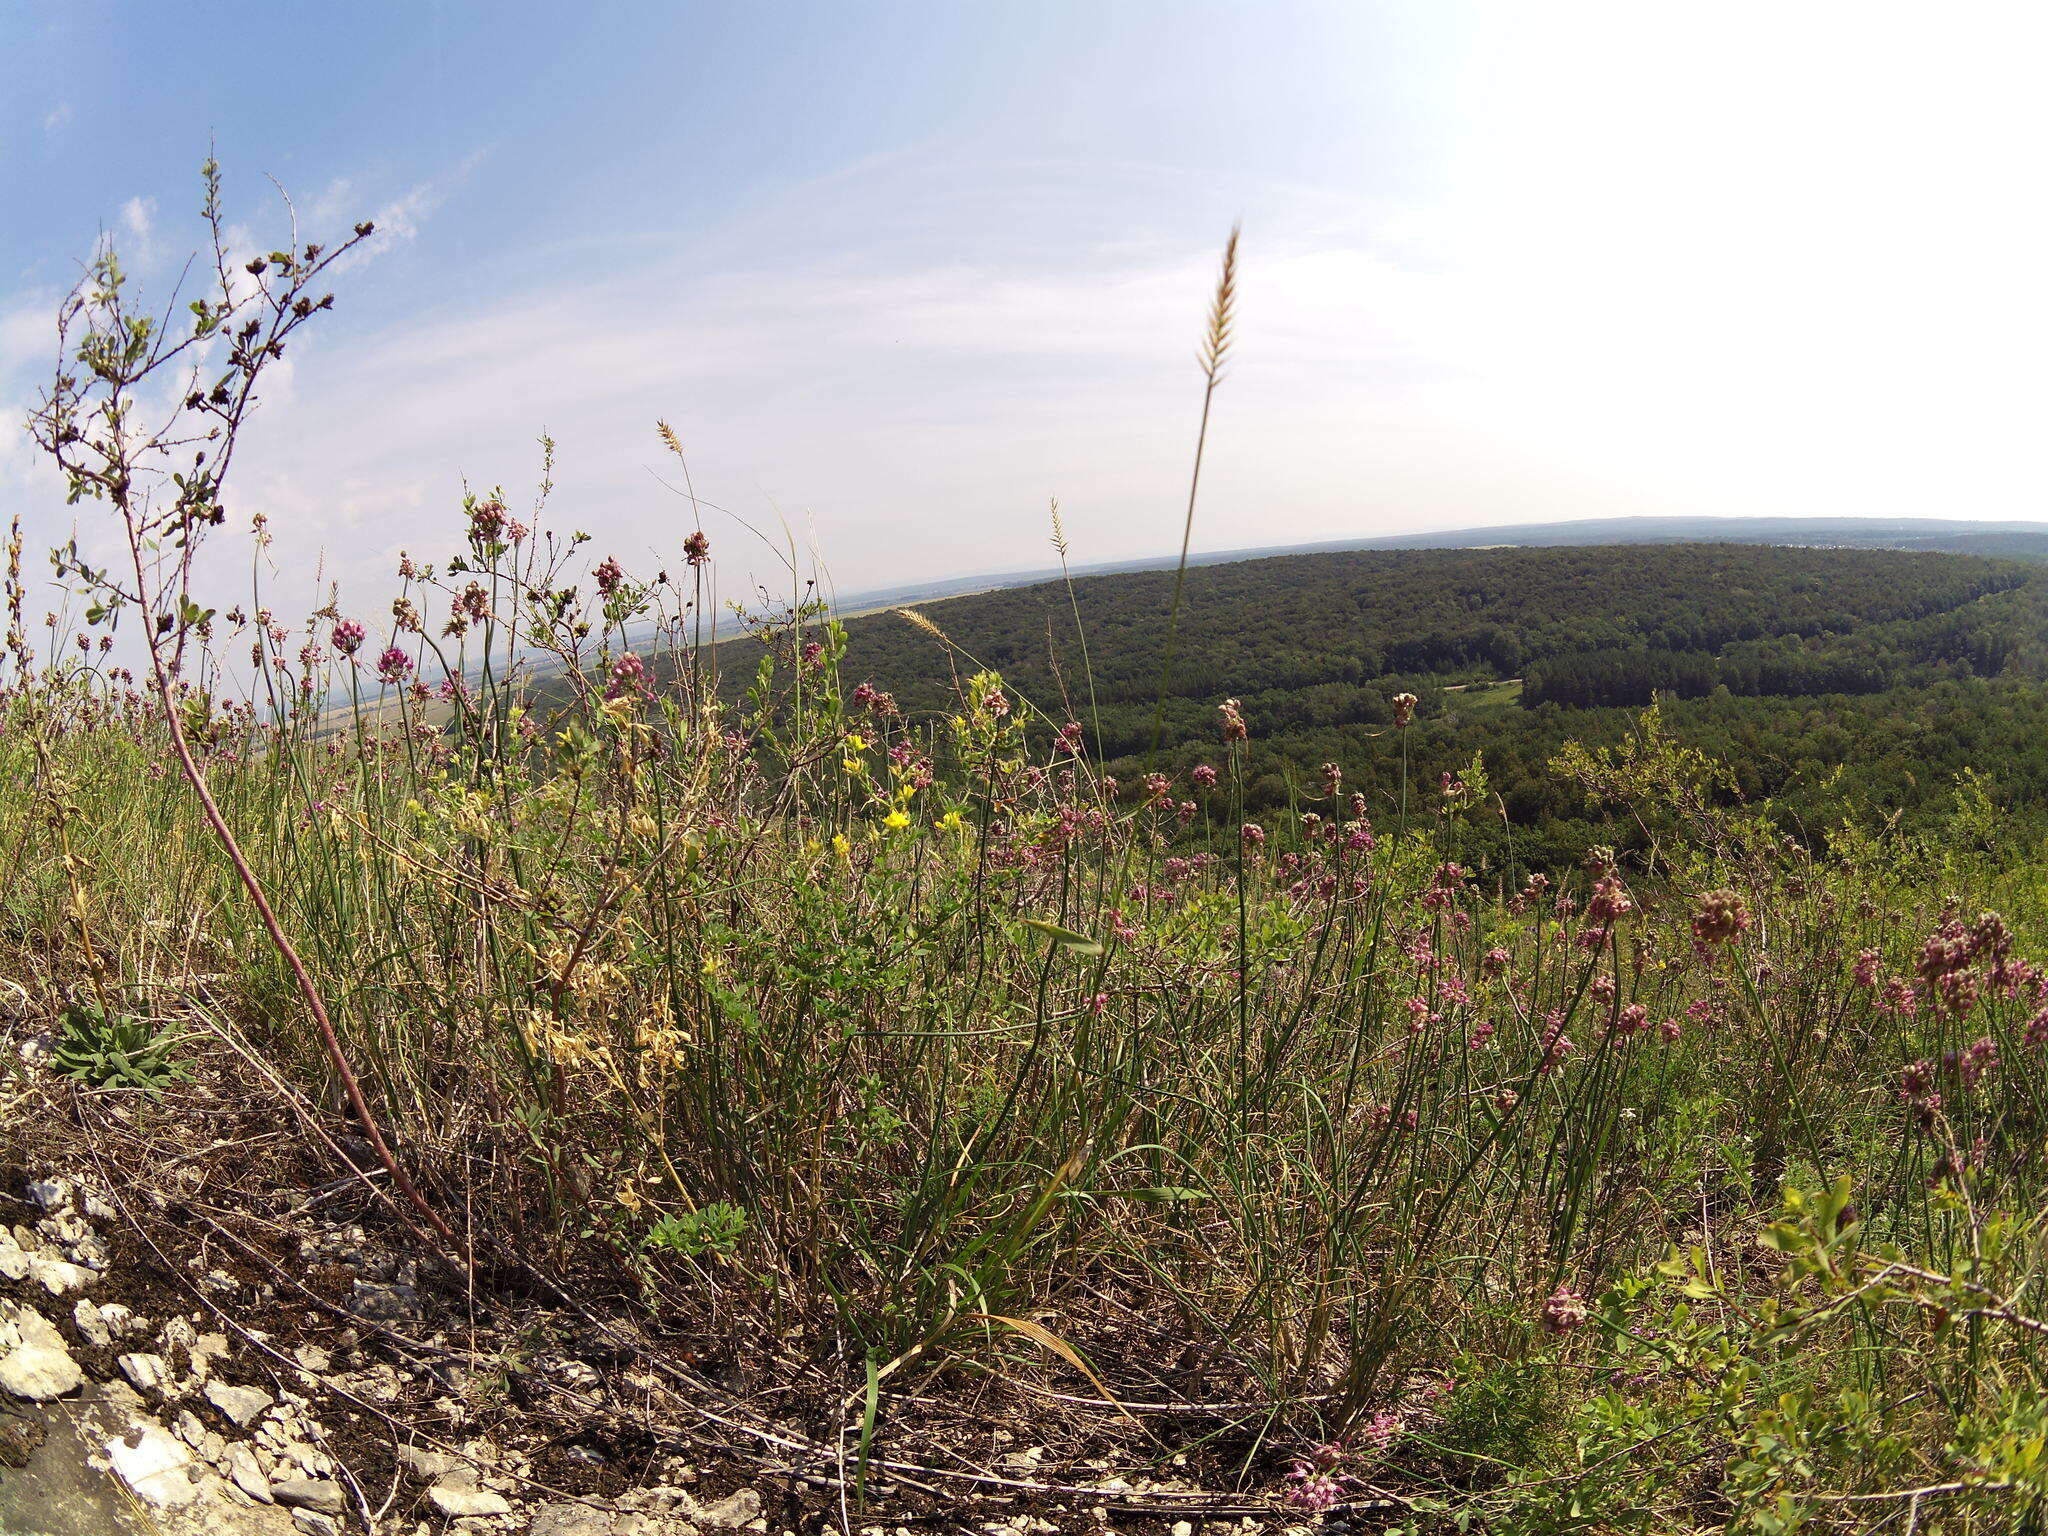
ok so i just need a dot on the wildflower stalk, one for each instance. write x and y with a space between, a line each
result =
1215 349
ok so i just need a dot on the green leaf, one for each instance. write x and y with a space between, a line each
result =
1066 938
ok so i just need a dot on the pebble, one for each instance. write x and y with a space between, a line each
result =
242 1405
426 1466
246 1473
58 1276
91 1324
385 1303
38 1367
457 1495
147 1372
153 1465
310 1493
729 1513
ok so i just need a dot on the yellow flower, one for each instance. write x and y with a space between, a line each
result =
711 965
951 821
896 821
855 742
840 845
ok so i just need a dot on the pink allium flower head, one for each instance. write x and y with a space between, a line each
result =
1720 918
1564 1310
628 679
393 666
348 637
487 520
1311 1491
1609 901
1204 776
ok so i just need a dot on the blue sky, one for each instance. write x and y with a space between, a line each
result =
898 273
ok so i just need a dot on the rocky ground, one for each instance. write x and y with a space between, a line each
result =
203 1331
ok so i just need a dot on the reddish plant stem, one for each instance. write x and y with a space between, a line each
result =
302 977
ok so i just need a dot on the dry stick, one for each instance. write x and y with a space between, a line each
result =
286 950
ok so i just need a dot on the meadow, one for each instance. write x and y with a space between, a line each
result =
1695 1186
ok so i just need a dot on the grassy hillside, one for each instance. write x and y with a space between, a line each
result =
1288 1129
1787 663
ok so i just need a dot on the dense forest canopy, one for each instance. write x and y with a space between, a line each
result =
1787 664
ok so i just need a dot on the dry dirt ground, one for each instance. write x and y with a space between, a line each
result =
205 1327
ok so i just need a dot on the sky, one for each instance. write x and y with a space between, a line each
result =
899 273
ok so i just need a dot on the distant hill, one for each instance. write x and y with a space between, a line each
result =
2008 540
1789 663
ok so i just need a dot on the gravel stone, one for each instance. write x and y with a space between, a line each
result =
242 1405
457 1495
312 1493
38 1367
154 1466
247 1473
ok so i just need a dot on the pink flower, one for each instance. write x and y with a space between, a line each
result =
628 680
1253 834
393 666
1721 918
348 636
1310 1490
1564 1310
1204 776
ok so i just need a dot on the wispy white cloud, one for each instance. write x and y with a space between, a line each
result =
1623 297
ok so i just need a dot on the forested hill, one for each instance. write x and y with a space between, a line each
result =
1789 662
